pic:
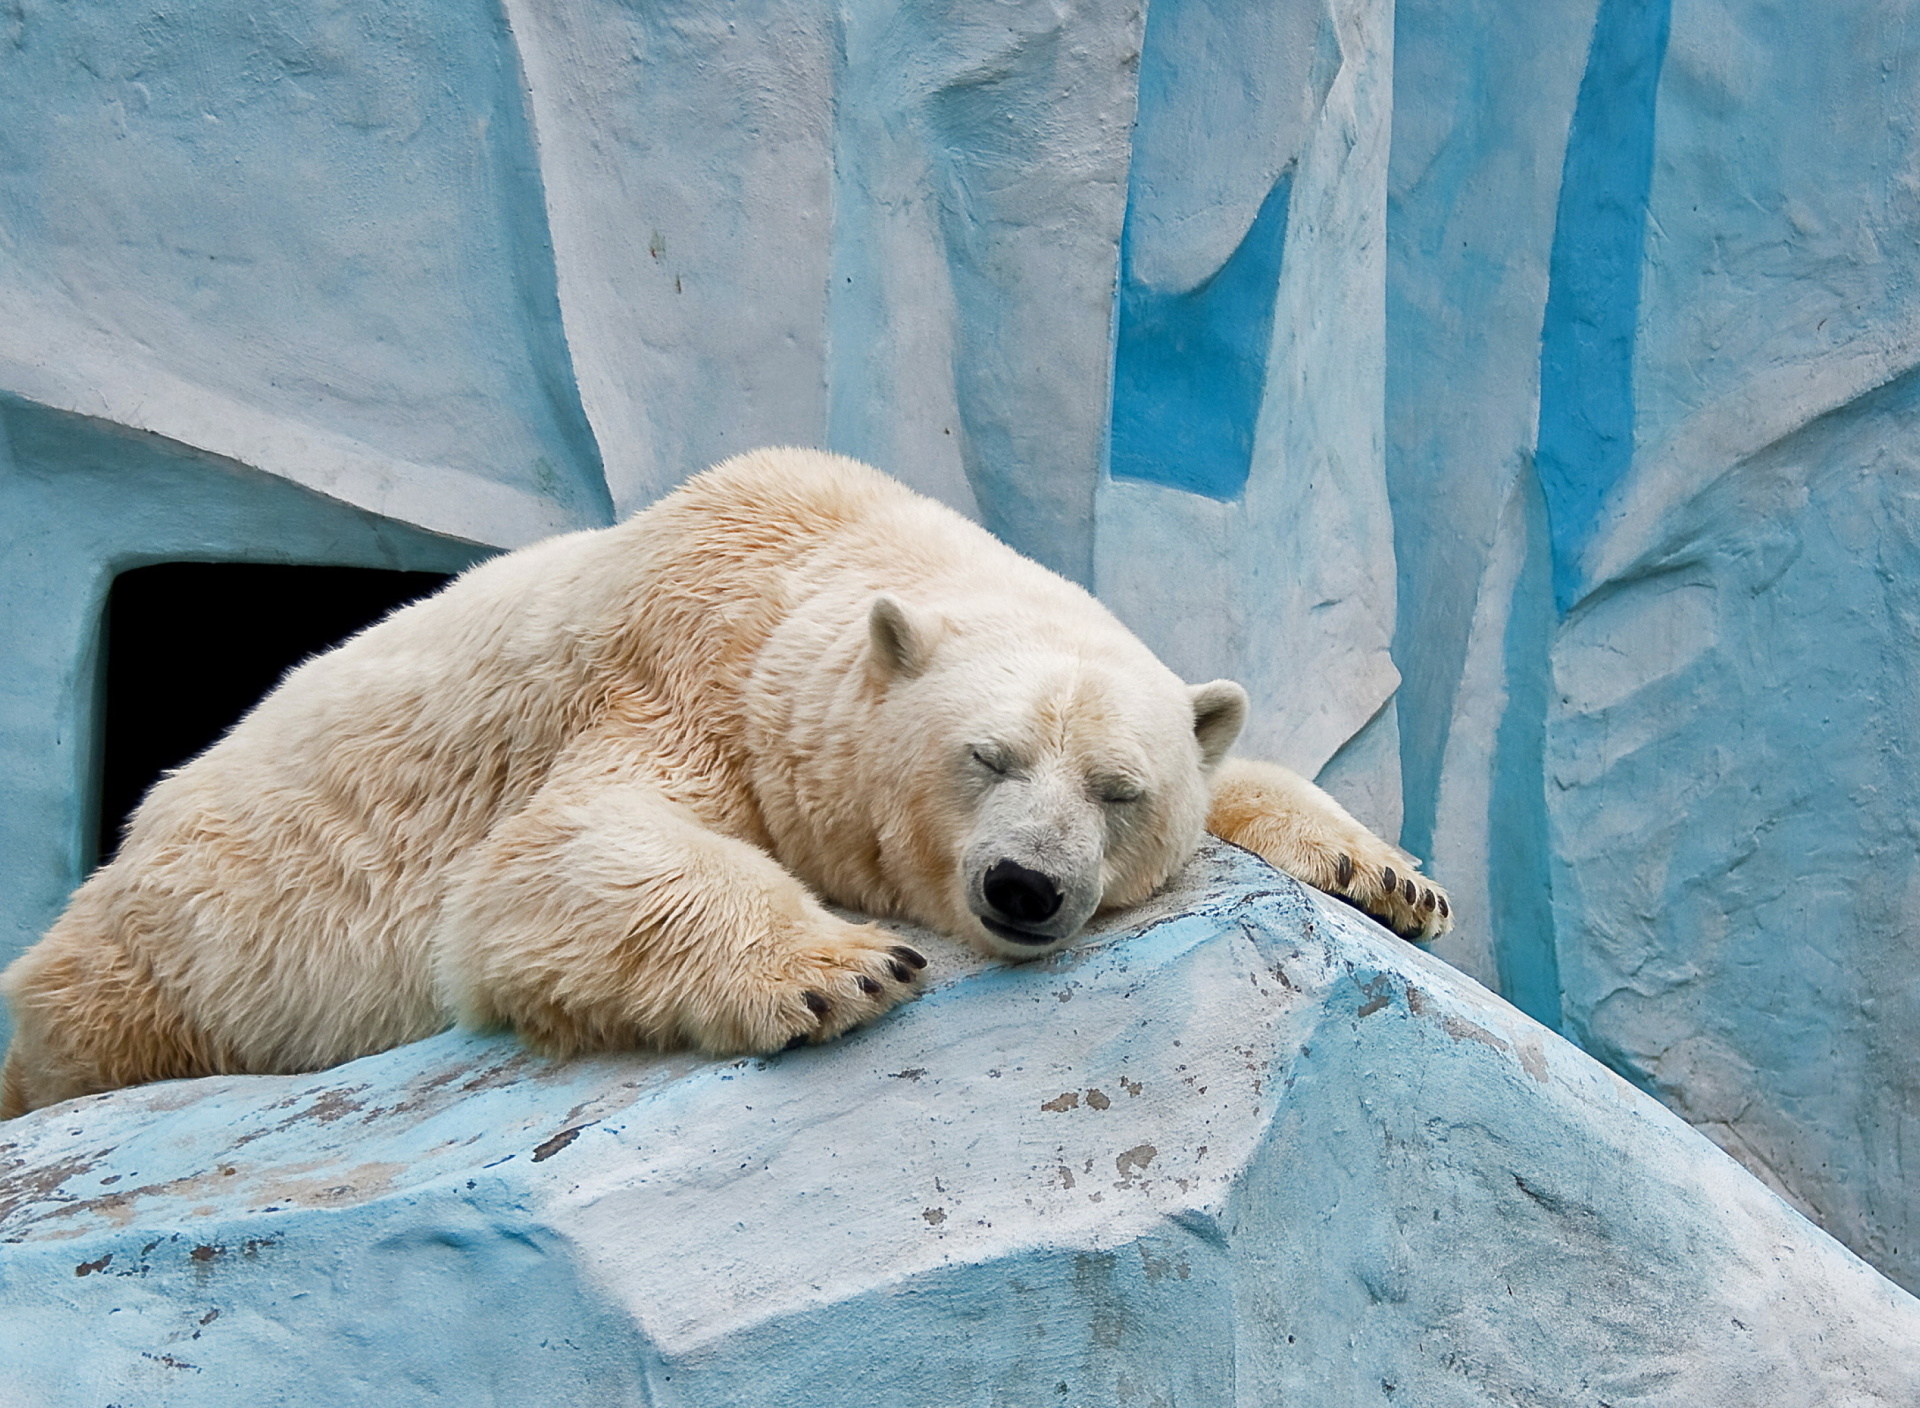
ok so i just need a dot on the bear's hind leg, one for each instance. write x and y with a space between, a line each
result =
604 916
1296 827
90 1016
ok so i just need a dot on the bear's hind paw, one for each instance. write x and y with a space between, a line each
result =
1400 898
1296 827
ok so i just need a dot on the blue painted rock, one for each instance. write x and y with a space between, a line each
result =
1241 1147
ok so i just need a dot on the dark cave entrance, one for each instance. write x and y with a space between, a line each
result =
191 646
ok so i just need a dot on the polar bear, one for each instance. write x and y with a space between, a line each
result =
600 790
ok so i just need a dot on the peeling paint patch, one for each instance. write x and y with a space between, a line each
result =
502 1074
1533 1060
1133 1162
1460 1029
1163 1268
554 1145
21 1185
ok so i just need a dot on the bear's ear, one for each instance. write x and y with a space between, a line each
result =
902 639
1219 710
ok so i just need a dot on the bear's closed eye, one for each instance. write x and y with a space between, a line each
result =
993 761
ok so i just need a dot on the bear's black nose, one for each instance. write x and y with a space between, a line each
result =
1022 895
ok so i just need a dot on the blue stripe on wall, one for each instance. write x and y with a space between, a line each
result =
1593 295
1190 369
1519 868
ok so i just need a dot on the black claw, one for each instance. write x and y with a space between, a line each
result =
799 1039
1426 899
908 956
816 1004
867 985
1389 879
1343 871
1444 911
901 973
1407 891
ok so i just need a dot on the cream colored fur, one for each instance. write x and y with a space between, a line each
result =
597 789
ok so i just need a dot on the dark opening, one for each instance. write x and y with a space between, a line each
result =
191 646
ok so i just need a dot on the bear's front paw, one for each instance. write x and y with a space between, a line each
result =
833 977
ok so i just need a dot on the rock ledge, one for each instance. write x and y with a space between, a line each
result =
1244 1148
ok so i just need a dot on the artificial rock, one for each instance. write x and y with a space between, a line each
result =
1240 1147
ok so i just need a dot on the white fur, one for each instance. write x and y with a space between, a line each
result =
597 788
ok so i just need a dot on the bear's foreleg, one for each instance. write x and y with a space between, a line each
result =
1296 827
605 916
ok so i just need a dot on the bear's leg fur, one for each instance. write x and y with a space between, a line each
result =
89 1016
605 916
1294 826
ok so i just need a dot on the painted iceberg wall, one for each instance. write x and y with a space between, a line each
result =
1650 315
1514 396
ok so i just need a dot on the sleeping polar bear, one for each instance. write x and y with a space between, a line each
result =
597 791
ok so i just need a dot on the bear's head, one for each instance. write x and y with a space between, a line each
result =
1037 768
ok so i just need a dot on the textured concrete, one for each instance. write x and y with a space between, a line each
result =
1651 279
312 242
1243 1149
1730 743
